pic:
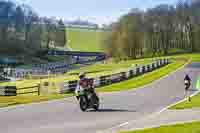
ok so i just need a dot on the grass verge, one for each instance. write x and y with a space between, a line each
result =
195 103
179 128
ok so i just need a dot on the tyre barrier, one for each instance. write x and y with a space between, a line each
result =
8 91
118 77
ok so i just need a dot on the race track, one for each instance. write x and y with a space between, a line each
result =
64 116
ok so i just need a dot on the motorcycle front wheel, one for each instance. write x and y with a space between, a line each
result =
96 105
83 103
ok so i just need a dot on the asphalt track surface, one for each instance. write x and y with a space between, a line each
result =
64 116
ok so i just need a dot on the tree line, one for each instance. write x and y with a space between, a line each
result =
23 31
162 30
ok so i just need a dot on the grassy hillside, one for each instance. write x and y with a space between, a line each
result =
84 40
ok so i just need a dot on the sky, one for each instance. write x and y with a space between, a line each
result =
98 11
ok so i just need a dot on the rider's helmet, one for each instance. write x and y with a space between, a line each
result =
82 75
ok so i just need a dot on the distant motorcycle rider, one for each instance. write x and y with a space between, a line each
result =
187 81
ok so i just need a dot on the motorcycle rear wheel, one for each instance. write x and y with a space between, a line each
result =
96 106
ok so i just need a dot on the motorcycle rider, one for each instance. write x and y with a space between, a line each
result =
83 84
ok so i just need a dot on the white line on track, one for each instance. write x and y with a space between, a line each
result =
123 124
168 124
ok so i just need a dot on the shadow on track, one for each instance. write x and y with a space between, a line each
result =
193 90
112 110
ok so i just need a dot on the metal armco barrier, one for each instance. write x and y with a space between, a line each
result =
8 91
117 77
